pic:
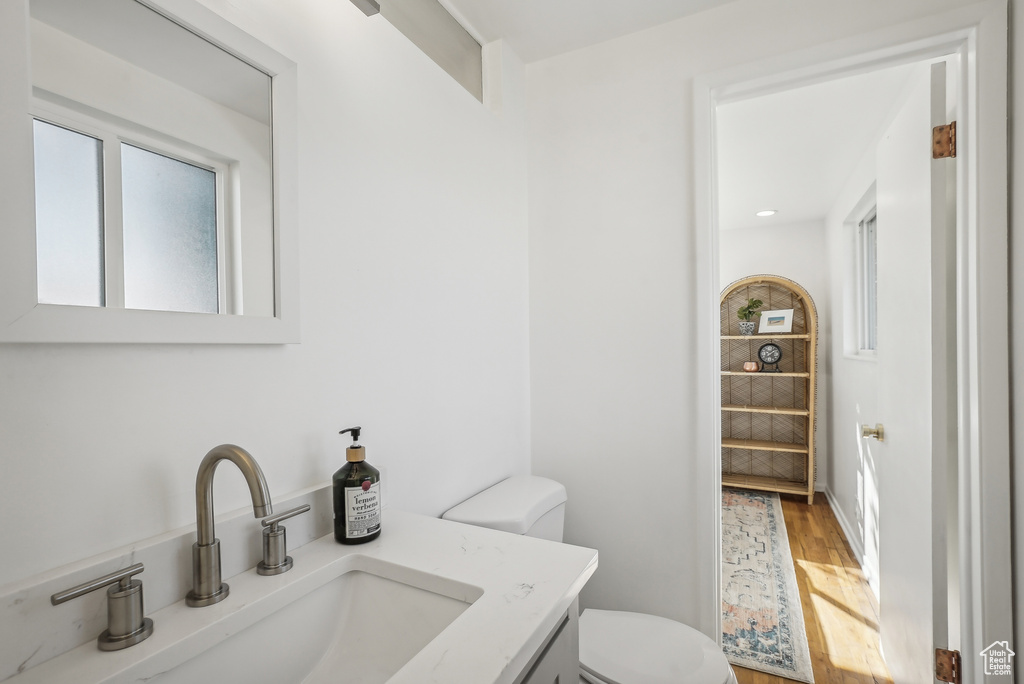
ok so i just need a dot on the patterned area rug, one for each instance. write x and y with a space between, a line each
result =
762 622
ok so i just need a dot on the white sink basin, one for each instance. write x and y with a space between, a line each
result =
430 602
361 626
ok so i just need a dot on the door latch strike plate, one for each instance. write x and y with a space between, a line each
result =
944 141
947 665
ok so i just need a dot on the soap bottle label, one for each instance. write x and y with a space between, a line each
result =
362 510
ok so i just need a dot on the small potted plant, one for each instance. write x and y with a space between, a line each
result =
746 315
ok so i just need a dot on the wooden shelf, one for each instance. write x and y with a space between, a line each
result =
756 413
781 410
770 484
775 375
764 445
767 337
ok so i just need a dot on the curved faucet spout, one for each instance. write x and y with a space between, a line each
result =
207 587
261 506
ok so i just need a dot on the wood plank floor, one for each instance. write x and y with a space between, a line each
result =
840 611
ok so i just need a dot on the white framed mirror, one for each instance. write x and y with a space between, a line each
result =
147 191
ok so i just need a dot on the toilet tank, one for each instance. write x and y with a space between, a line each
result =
524 504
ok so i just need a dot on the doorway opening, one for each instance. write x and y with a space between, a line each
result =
982 566
801 172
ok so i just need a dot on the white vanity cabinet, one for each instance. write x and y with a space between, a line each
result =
558 661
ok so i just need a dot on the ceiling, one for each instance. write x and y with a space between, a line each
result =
537 29
793 151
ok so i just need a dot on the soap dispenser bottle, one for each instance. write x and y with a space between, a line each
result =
357 501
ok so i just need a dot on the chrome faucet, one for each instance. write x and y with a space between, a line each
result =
207 587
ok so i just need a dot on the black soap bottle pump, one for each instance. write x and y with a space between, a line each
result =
357 501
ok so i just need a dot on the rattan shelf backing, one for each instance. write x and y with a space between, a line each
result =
768 419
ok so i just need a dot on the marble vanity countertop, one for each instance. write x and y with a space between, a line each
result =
524 585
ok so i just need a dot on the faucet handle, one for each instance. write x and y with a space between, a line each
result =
275 546
274 519
126 621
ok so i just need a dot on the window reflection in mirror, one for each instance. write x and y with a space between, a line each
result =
69 216
153 163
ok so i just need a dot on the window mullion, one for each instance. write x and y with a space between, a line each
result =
229 268
113 235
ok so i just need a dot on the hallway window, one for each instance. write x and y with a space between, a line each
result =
867 282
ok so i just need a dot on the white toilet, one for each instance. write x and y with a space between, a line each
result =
615 647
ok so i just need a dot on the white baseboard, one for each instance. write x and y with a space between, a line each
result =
855 542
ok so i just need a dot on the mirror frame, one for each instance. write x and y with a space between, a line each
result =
23 319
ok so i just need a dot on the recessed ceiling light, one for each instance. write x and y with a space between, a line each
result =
767 212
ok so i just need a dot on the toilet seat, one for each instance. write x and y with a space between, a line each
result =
617 647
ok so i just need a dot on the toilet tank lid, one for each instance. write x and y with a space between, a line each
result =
512 505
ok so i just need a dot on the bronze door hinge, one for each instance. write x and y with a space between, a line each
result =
944 141
947 665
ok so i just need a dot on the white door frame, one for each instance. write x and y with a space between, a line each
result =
978 33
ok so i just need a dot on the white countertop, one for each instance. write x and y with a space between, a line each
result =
527 585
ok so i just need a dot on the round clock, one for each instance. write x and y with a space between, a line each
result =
770 353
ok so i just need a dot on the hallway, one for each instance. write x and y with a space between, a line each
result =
840 611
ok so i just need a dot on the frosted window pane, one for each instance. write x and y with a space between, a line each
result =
69 216
170 233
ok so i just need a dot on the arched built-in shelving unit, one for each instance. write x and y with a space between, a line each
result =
768 417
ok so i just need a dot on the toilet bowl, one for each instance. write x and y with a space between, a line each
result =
616 647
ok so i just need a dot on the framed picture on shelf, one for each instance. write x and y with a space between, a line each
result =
779 321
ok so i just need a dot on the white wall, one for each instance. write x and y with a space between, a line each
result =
799 252
793 251
414 319
612 281
853 396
